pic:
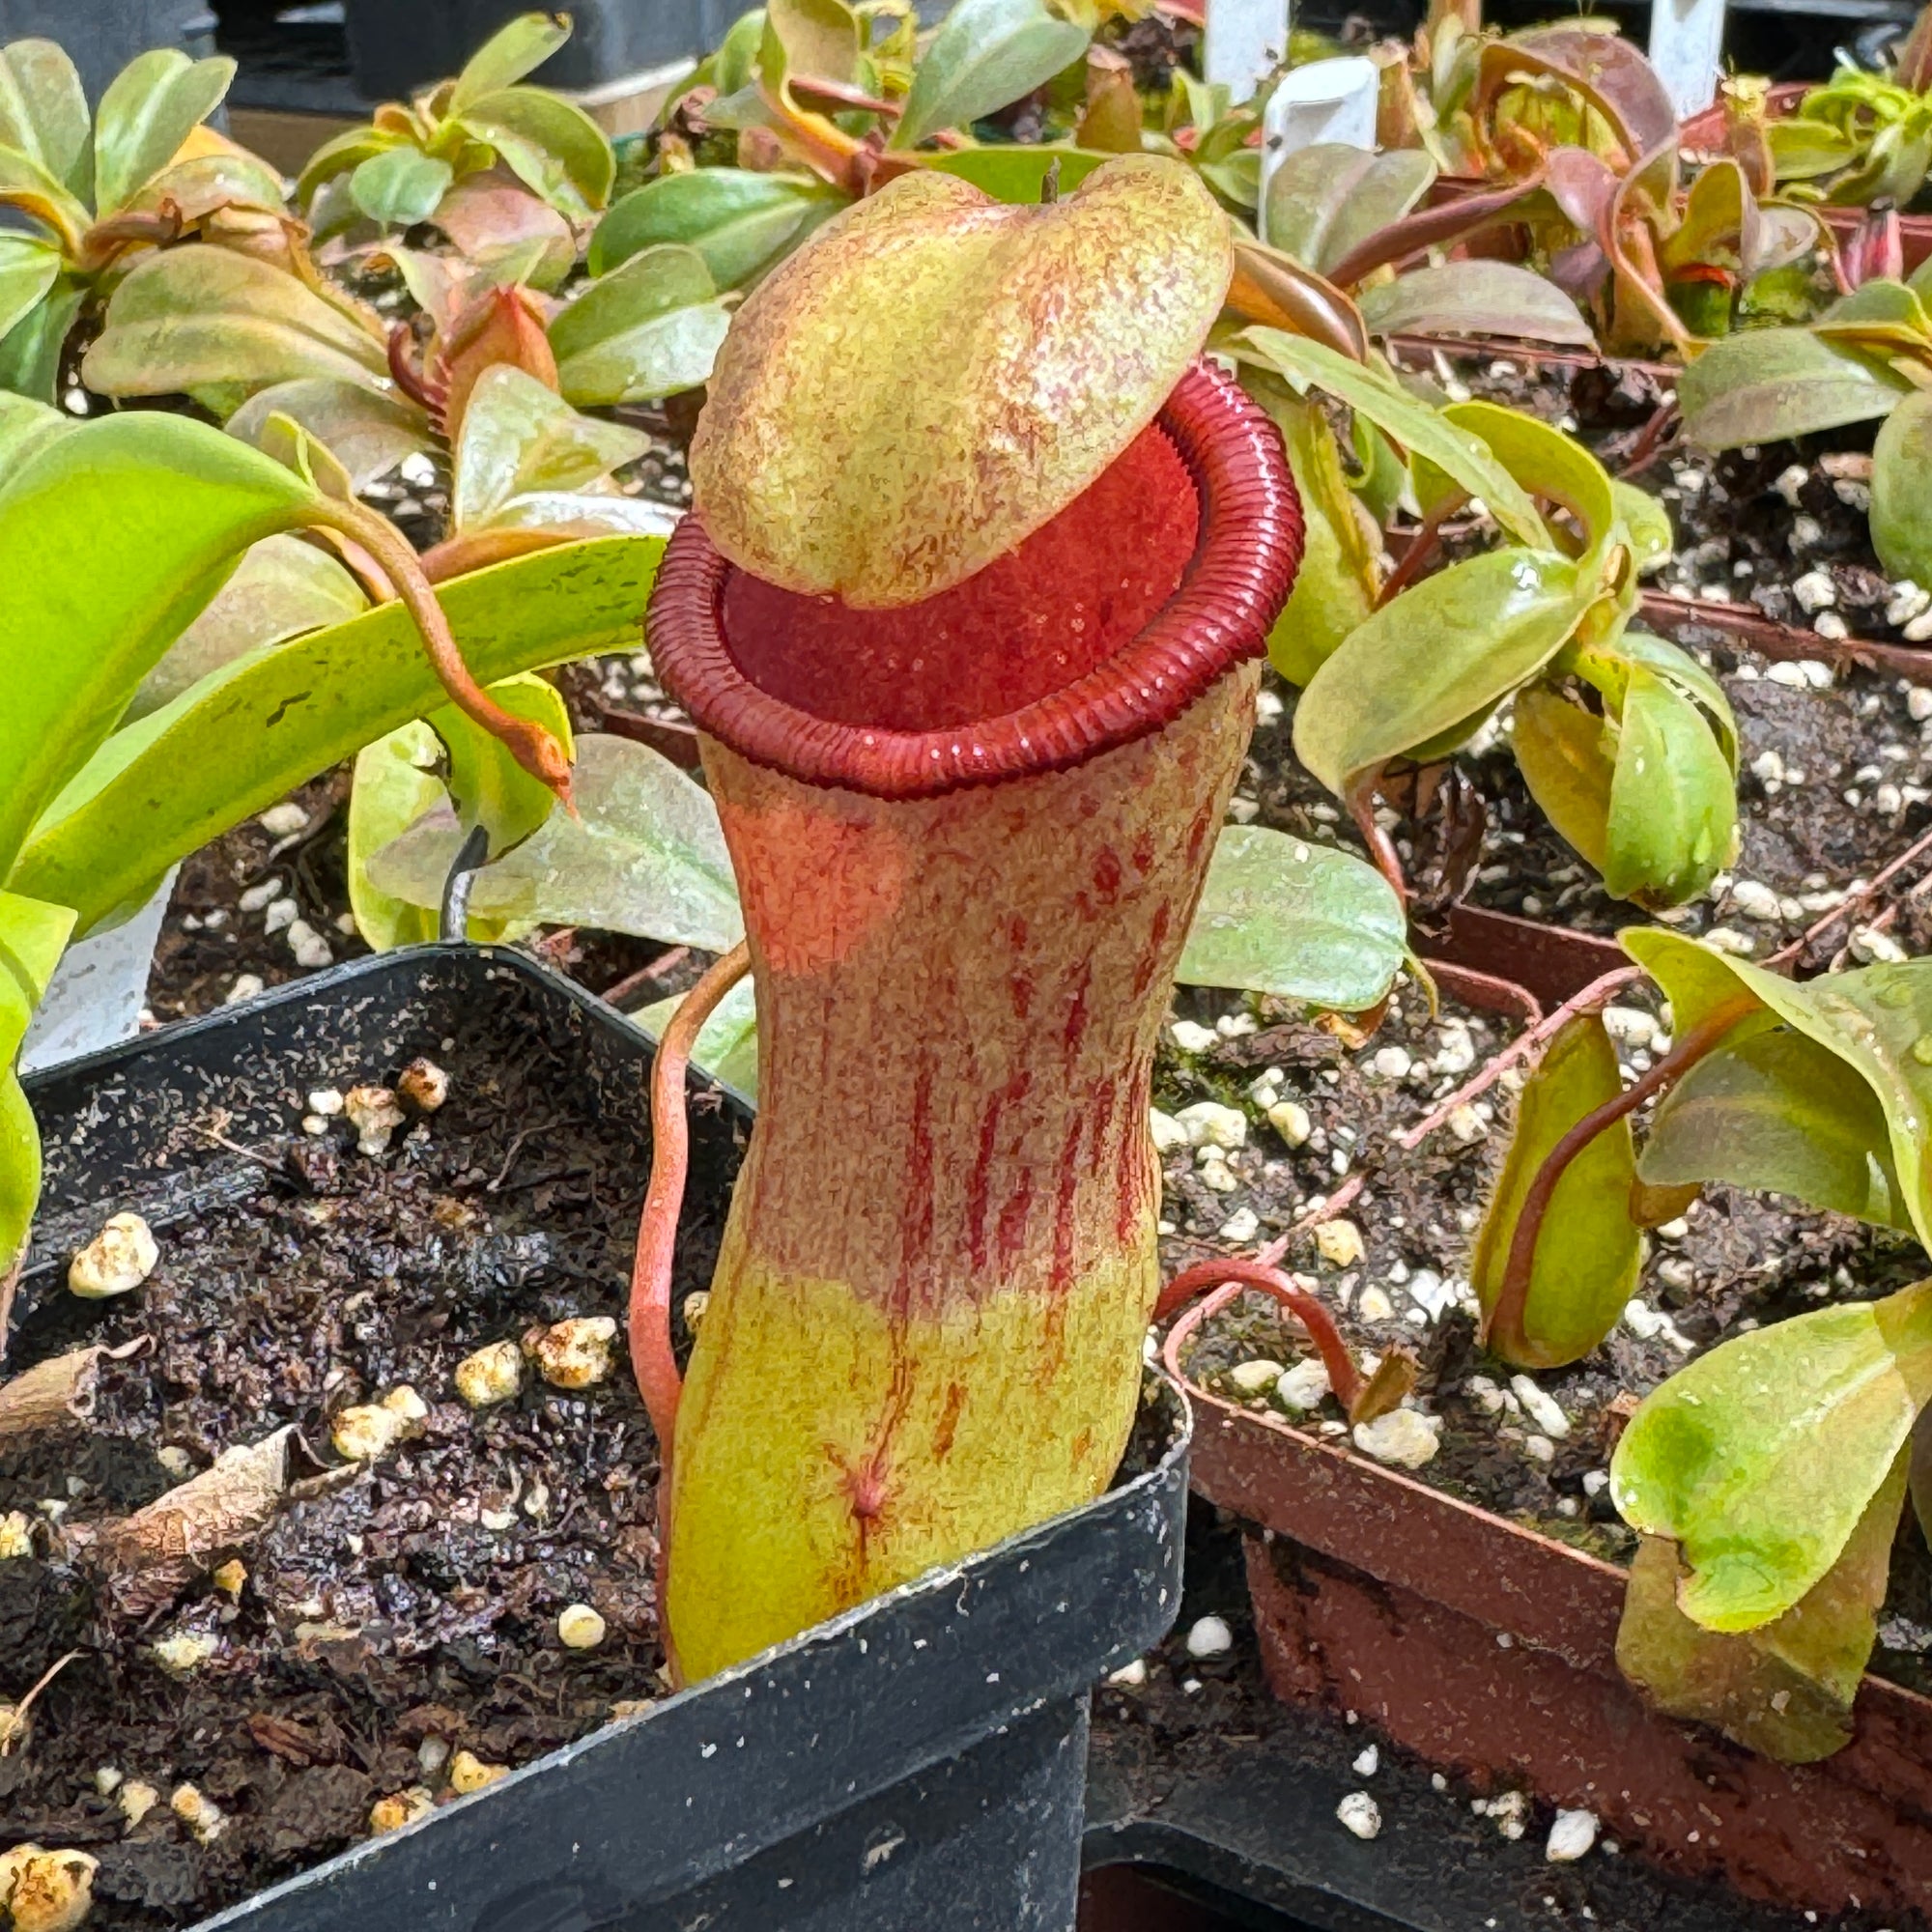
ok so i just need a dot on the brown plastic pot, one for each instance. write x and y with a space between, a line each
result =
1491 1648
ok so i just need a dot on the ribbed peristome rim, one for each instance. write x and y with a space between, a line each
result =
1242 570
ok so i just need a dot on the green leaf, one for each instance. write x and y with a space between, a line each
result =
739 222
202 315
31 351
1546 461
520 436
1421 430
1802 149
43 113
510 54
1568 758
645 856
282 588
32 936
150 108
29 190
1444 651
395 784
727 1047
1327 198
1785 1688
1015 174
550 144
1479 297
25 425
650 328
367 432
1302 922
1781 1112
400 186
986 54
1760 1458
1647 522
1676 666
204 182
1340 576
1673 803
487 785
341 155
19 1168
1901 490
249 735
1588 1251
1766 385
133 522
28 269
1877 1019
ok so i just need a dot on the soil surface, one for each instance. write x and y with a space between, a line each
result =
1734 1260
393 1612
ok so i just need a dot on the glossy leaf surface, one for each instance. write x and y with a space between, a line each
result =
1327 198
1781 1113
1878 1019
1476 297
112 537
281 587
1589 1250
736 220
1673 801
203 316
1422 430
1786 1687
245 737
985 54
1759 1458
645 856
1302 922
650 328
519 435
1440 654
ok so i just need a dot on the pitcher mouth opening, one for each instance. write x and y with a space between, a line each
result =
1246 555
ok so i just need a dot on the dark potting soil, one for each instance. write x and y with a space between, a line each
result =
392 1613
1735 1261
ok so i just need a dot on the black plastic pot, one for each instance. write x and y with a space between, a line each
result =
102 35
920 1763
395 50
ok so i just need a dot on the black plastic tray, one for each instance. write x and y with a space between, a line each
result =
915 1766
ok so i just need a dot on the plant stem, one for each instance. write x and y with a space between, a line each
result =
1709 1033
652 1361
1344 1376
532 747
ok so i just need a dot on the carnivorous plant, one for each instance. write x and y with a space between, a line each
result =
973 662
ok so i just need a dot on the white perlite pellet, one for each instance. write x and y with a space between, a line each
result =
1361 1814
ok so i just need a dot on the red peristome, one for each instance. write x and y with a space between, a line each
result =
1243 564
1059 604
